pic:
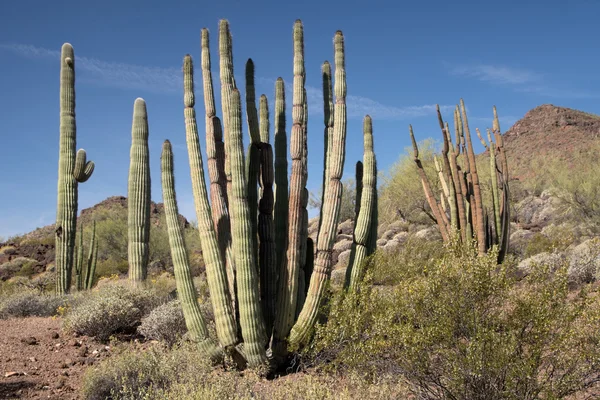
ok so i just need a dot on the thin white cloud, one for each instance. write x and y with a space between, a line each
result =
496 74
157 79
115 74
522 80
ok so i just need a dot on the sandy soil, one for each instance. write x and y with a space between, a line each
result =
37 361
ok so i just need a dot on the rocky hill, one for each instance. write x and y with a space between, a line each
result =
552 132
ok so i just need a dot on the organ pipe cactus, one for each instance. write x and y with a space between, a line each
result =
183 277
72 168
463 194
138 201
247 320
362 229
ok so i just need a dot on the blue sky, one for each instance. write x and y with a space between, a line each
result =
401 59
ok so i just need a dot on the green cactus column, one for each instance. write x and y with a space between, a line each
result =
183 277
362 230
215 159
138 196
79 278
90 273
287 294
281 178
68 174
266 230
331 207
215 265
328 132
251 317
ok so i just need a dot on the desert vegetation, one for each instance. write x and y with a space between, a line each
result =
450 276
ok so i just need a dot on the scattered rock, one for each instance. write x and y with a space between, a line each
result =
30 340
11 374
54 335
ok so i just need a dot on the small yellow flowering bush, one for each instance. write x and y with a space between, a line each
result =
465 328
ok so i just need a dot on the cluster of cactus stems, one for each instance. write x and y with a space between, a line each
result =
85 273
266 277
138 196
460 212
73 168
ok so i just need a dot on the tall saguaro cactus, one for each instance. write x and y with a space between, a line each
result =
72 168
138 196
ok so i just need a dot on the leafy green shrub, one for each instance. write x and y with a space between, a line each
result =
165 323
110 309
30 303
411 258
401 194
348 204
465 328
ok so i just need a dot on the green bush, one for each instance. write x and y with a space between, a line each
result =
401 194
465 328
410 259
110 309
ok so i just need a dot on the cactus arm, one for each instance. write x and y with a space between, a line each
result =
458 189
215 267
83 169
91 261
431 200
281 179
287 294
466 228
183 277
495 189
328 132
138 197
251 318
266 231
79 262
215 158
480 227
227 85
447 174
331 208
362 228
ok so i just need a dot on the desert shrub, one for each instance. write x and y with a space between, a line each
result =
21 266
557 239
184 374
465 328
165 323
348 204
401 194
411 258
576 184
110 309
30 303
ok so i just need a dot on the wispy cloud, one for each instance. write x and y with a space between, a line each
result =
521 80
130 76
496 74
169 80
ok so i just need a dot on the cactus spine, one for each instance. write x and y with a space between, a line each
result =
183 277
362 229
72 169
138 196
